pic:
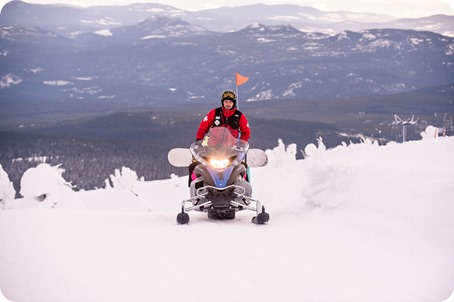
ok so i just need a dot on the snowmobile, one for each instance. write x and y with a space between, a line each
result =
220 185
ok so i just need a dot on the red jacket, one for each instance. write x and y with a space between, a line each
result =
209 119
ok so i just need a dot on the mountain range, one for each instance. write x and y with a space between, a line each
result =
146 55
71 20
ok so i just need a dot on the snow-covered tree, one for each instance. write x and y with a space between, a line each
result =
430 132
7 191
125 178
311 150
281 154
45 187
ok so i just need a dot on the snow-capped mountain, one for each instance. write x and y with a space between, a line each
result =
360 222
167 60
68 20
159 27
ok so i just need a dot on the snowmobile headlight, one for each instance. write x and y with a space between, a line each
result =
219 163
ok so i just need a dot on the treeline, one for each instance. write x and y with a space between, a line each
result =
91 150
87 163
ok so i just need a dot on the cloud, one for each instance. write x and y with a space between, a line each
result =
451 4
396 8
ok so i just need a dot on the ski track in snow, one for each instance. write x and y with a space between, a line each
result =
355 223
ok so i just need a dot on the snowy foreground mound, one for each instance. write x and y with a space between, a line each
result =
355 223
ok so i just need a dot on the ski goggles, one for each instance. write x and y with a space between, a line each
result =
229 95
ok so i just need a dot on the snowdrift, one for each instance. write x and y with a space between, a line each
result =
360 222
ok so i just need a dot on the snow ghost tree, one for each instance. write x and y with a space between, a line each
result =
124 179
281 155
430 132
46 186
311 150
7 191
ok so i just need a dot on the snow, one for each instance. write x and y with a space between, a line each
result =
58 83
264 40
359 222
154 37
8 80
104 32
84 78
104 21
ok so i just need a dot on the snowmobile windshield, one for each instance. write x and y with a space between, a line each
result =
219 149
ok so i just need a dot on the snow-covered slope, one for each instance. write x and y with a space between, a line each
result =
359 222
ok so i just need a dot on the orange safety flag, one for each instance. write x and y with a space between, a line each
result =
240 79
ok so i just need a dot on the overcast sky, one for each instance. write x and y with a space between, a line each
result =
396 8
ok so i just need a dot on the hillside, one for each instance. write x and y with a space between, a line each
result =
359 222
163 60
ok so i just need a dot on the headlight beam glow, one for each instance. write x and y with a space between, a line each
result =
219 163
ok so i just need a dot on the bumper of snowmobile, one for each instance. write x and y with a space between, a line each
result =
201 201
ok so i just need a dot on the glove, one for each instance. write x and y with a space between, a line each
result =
239 147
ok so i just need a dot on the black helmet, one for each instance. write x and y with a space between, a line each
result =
228 95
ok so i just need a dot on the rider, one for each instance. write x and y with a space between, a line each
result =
225 116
